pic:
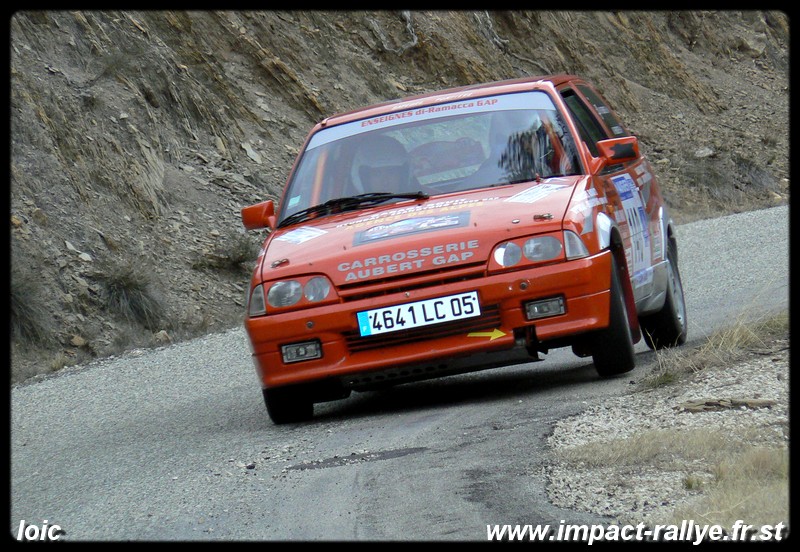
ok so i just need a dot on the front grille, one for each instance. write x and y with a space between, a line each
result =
488 320
398 284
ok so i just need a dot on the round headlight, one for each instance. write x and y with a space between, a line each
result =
542 248
284 293
508 254
317 289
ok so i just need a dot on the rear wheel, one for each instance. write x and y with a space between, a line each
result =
612 347
667 327
288 404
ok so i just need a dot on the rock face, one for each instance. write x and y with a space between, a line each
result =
136 137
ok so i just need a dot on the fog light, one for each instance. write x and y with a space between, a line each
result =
544 307
298 352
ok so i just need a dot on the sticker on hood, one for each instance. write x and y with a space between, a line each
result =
300 235
414 225
535 193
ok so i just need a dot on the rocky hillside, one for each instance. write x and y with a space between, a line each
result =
136 137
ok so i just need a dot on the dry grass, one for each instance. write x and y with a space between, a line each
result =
722 347
731 478
234 252
752 485
664 449
30 315
749 483
130 293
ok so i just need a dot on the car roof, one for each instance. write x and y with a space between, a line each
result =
471 90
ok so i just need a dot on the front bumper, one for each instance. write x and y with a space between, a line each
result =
347 357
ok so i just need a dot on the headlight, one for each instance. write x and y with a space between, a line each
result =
299 293
317 289
508 254
525 251
542 248
285 293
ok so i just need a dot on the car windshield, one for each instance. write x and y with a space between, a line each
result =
459 145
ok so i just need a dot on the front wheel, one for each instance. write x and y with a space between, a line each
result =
288 404
667 327
612 348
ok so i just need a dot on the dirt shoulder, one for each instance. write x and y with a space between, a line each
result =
711 446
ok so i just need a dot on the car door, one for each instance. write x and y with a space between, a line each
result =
627 185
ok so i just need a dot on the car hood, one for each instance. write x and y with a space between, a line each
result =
439 233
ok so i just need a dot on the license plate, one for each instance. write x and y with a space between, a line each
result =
419 313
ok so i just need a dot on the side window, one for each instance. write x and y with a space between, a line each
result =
589 128
603 110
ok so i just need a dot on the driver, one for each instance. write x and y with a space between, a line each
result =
382 165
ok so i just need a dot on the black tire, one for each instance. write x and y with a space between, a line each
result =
612 348
286 405
667 327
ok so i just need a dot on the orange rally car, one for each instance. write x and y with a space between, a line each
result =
460 230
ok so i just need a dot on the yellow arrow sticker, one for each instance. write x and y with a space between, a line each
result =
494 334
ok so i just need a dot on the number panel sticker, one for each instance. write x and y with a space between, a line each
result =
634 214
419 313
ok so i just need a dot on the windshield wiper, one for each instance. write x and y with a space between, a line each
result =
340 204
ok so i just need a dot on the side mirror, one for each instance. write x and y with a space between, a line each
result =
618 150
260 215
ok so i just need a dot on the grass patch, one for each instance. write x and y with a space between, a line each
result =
721 348
60 360
670 367
30 316
661 448
693 483
752 486
130 293
234 252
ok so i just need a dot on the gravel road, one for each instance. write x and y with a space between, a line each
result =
734 265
